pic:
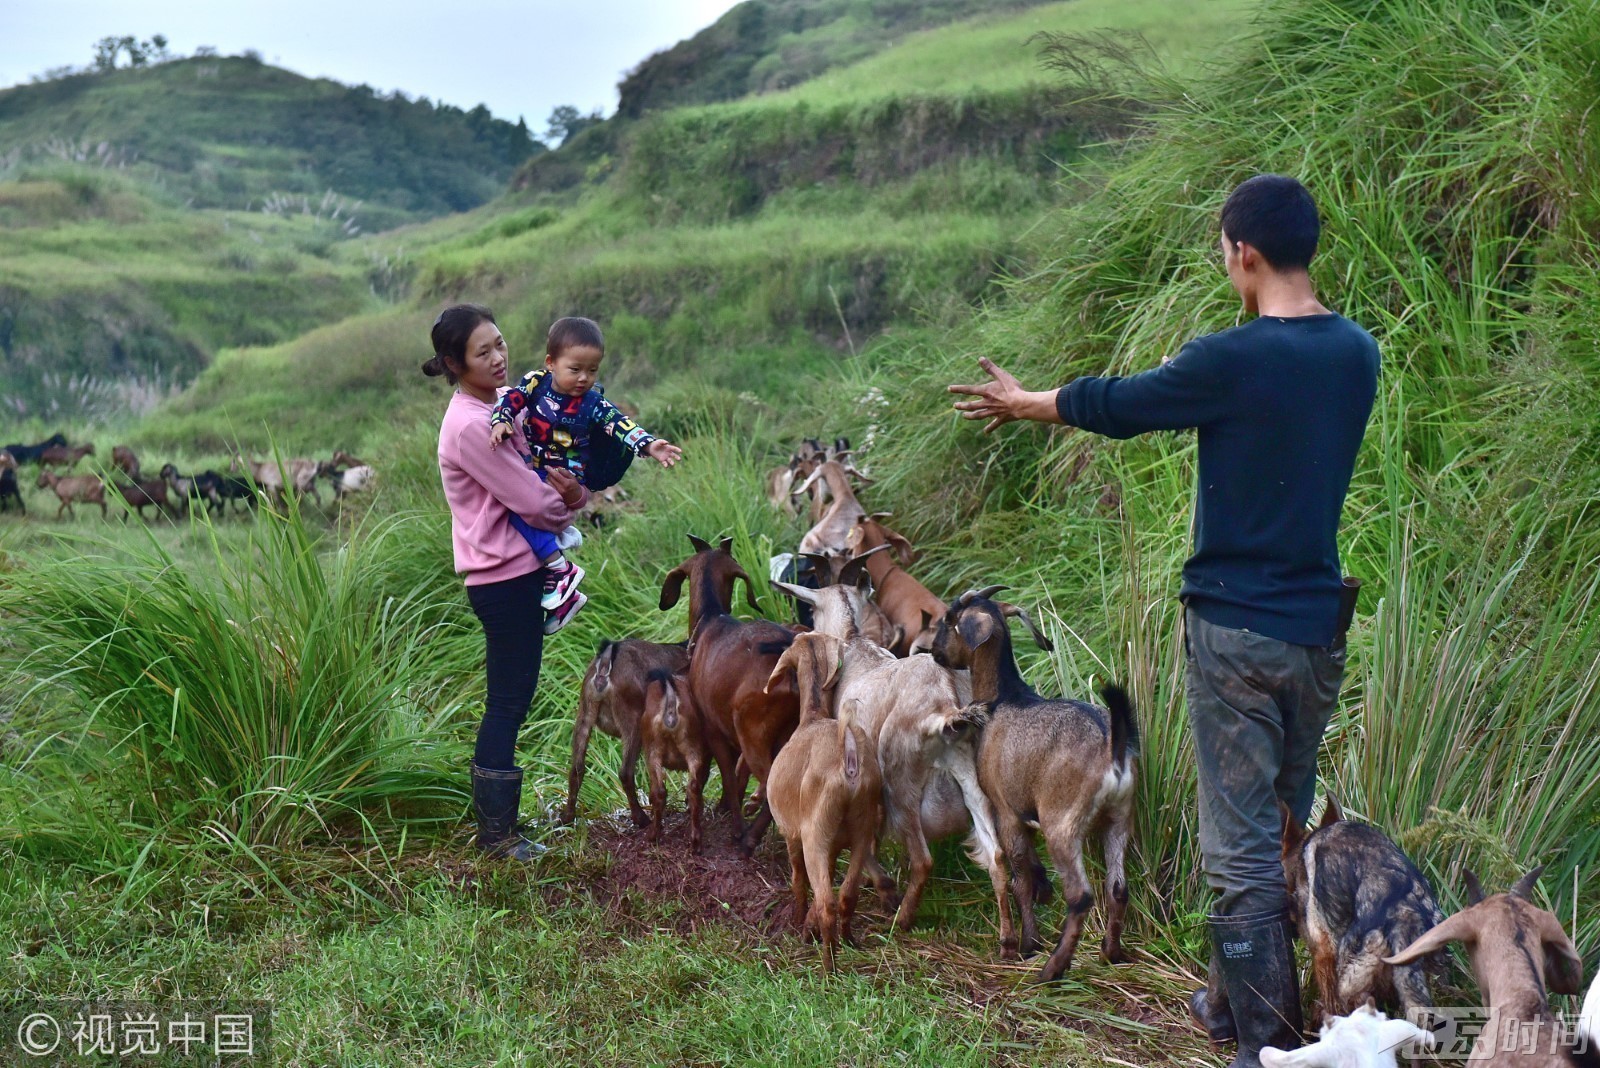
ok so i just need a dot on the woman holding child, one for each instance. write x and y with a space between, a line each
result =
504 522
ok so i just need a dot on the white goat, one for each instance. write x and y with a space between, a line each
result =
913 712
1364 1039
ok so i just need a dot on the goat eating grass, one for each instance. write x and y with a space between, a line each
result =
1364 1039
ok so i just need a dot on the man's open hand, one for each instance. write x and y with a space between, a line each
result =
1002 400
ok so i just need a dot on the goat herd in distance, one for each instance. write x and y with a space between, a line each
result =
854 738
247 481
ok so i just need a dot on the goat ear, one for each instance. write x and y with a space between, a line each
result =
975 628
1294 835
785 665
1397 1032
700 544
1563 968
797 592
1273 1057
1524 887
821 566
1331 812
1457 928
902 545
1012 610
672 587
749 590
1474 889
727 545
828 646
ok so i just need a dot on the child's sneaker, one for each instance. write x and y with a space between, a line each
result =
562 614
559 584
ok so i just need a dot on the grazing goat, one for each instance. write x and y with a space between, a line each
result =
831 569
1366 1038
124 460
832 531
925 737
612 697
8 483
64 455
190 488
672 736
1354 898
86 489
1060 765
141 495
347 480
273 477
730 663
908 604
28 454
1516 948
826 793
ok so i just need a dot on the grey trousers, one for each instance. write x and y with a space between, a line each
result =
1258 707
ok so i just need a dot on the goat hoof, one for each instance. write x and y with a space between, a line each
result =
1008 951
641 820
1116 956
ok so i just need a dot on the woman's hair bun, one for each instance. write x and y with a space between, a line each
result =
433 367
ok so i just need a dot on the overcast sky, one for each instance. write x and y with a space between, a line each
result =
520 58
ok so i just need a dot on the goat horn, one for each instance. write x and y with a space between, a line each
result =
987 592
1474 888
1524 887
1010 610
700 544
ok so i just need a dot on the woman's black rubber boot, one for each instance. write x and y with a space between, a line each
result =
496 795
1256 958
1208 1006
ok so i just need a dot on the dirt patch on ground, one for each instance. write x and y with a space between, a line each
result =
664 885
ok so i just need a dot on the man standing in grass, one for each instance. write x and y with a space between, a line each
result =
1280 404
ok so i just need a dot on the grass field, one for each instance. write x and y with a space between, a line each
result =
147 856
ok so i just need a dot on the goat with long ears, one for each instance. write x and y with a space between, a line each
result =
826 792
1518 952
1063 766
730 661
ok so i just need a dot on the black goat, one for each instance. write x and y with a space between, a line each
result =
29 454
190 488
8 482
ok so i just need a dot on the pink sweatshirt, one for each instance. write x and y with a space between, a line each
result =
482 486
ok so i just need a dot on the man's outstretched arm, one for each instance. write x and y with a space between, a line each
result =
1189 390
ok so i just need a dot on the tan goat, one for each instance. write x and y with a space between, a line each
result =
826 794
1518 950
673 736
83 489
909 605
832 531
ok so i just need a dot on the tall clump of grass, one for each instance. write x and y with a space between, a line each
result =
264 701
1451 152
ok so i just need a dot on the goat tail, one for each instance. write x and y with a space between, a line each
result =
847 712
1124 728
604 660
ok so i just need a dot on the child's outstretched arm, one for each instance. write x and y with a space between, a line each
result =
502 421
612 419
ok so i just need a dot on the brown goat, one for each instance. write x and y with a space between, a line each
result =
673 737
124 460
85 489
730 662
1059 765
64 455
826 793
1518 950
141 495
909 605
830 532
612 698
8 483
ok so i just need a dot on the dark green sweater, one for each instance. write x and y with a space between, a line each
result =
1281 405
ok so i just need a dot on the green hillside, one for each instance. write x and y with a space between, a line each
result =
764 45
232 132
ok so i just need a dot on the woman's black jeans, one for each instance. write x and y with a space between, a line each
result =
513 631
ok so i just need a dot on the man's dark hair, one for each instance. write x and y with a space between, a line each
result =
574 330
1276 215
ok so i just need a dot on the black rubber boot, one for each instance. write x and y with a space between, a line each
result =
1256 958
1209 1008
496 795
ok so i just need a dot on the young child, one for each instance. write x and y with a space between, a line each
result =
565 409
